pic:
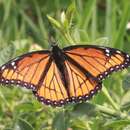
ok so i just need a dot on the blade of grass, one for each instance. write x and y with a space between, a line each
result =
35 29
30 22
113 22
108 28
40 20
94 23
118 40
7 7
114 104
5 101
86 14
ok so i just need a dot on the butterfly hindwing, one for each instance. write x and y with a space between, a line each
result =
52 90
80 87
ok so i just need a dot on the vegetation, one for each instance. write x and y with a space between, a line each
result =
25 26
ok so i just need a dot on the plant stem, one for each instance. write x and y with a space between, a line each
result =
106 110
105 92
111 112
68 37
6 102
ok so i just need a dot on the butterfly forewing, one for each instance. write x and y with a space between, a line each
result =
98 61
25 70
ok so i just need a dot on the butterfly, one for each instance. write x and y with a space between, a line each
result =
61 76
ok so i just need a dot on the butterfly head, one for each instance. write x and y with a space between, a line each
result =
53 44
52 41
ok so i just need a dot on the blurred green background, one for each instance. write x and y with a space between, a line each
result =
26 25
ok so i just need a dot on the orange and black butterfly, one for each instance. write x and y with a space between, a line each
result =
59 76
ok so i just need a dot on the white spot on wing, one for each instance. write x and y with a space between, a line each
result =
55 103
118 51
13 63
6 81
122 65
12 81
25 84
15 67
127 56
112 69
61 101
67 99
101 76
106 73
92 92
107 50
97 87
3 67
107 54
86 96
19 82
117 66
31 86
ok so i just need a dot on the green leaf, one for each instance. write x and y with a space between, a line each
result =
64 21
27 106
84 109
69 13
125 101
54 22
127 127
24 125
59 122
126 82
102 41
117 123
7 53
80 124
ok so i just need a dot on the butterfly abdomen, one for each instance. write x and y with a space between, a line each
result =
59 58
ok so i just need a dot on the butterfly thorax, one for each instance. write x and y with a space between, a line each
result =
57 52
59 59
